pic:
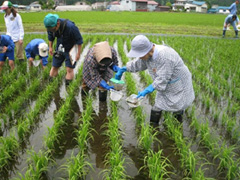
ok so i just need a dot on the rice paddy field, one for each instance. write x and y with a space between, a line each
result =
132 22
48 131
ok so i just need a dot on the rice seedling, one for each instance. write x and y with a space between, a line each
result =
37 165
8 149
157 165
147 137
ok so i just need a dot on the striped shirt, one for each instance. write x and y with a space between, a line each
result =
91 74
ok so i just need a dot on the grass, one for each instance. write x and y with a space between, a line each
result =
131 22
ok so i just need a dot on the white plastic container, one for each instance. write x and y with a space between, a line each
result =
36 62
115 95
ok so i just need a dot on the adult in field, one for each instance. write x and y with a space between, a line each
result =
34 48
67 34
171 77
98 67
233 7
6 51
14 26
230 19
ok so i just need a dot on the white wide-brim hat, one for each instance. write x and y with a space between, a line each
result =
43 49
140 46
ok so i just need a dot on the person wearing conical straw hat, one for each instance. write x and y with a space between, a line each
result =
98 67
14 26
37 47
171 77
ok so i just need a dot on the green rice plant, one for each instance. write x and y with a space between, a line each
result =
8 149
157 165
147 137
78 166
114 158
188 158
37 165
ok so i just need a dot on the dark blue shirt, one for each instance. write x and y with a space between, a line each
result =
32 48
6 40
68 36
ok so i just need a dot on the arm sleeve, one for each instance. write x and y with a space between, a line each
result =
136 65
50 36
164 74
28 51
230 8
76 35
19 20
10 43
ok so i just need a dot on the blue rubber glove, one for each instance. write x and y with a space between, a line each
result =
118 75
105 85
146 91
115 68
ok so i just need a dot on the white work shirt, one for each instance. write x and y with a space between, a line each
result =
171 78
14 27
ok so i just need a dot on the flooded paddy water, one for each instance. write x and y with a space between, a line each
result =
208 156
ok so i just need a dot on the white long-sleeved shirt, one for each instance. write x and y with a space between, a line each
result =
14 27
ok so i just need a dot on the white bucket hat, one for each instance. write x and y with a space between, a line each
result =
140 46
43 49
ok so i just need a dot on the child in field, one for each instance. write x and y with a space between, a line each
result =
37 47
6 51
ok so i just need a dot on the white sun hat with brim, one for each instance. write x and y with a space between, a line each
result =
6 4
43 49
140 46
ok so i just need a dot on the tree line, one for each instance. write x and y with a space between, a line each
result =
162 2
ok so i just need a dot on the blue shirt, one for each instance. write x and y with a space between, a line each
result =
233 8
32 49
8 42
68 37
229 20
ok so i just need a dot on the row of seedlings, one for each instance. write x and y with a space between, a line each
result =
24 127
13 108
15 89
217 147
114 158
36 168
77 166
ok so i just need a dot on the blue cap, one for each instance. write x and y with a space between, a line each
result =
50 20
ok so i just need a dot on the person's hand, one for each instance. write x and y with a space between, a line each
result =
77 57
31 59
119 73
115 68
5 48
20 41
51 51
146 91
105 85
